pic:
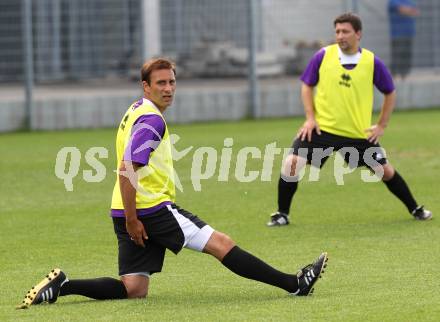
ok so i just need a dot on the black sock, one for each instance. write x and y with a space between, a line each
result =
400 189
247 265
286 190
104 288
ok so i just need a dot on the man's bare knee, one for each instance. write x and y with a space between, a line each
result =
136 285
137 294
293 165
289 168
219 245
226 242
388 172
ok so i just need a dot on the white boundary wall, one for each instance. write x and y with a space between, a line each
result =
217 100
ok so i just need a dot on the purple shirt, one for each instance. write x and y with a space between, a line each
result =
382 78
140 212
147 132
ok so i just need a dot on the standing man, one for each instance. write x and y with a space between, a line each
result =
146 219
339 116
402 14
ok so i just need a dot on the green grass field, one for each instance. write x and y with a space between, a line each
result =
383 265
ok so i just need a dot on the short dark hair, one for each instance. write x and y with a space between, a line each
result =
353 19
156 64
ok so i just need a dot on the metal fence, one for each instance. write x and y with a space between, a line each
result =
53 41
70 39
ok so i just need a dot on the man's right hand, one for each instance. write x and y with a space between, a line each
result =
307 129
136 230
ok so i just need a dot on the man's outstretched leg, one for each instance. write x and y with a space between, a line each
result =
287 186
246 265
397 185
57 284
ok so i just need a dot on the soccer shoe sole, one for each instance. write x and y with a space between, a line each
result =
276 223
321 271
424 219
34 292
271 224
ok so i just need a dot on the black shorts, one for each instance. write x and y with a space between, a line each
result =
356 152
169 228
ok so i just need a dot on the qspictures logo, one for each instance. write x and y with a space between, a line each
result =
224 164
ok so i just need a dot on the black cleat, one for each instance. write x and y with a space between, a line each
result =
309 274
46 291
278 219
420 213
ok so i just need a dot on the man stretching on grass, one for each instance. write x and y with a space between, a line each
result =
146 219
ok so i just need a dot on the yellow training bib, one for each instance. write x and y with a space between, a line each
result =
344 98
155 180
